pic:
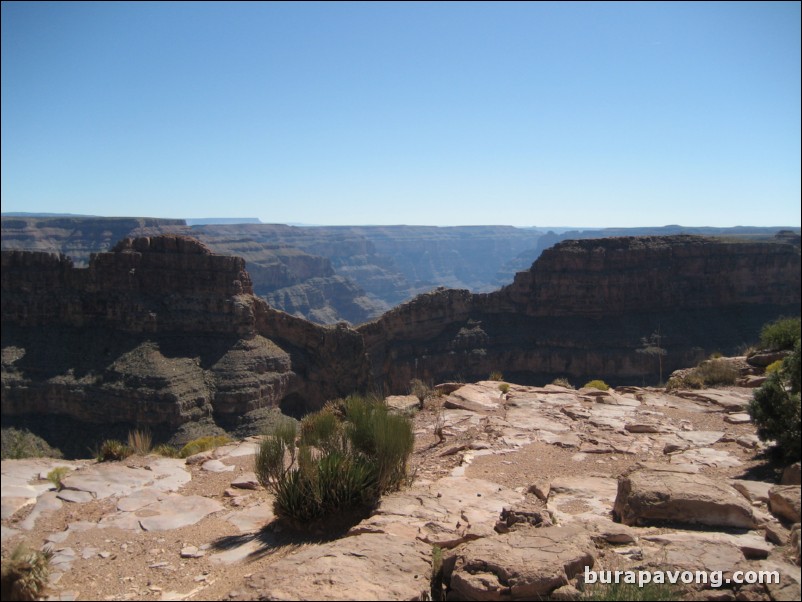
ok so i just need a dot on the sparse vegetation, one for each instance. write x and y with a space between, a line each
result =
113 450
562 382
436 579
774 367
419 389
56 476
710 373
168 451
140 441
775 408
25 573
783 333
18 444
495 375
597 384
340 463
504 388
203 444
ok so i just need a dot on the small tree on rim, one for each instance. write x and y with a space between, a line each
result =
652 345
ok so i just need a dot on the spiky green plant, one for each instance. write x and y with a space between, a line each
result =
168 451
56 476
113 450
25 574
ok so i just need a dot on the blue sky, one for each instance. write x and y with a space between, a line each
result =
580 114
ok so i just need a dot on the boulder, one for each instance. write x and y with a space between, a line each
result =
524 564
784 502
653 497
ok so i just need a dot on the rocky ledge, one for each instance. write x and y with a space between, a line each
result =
526 491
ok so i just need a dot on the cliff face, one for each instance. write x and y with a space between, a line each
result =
583 308
159 332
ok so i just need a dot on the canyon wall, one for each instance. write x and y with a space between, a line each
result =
583 308
157 333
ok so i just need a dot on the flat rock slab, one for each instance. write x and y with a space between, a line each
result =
110 478
573 498
176 511
372 566
690 555
78 497
751 545
754 491
216 466
246 480
45 504
784 502
652 497
729 400
447 512
525 564
403 404
252 519
475 398
707 456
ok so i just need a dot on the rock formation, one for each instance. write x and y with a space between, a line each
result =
157 333
582 310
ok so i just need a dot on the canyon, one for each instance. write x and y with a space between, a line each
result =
161 332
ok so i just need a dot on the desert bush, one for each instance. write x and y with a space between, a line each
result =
495 375
562 382
17 444
113 450
597 384
783 333
504 388
25 573
436 579
775 408
340 463
203 444
774 367
168 451
56 475
320 429
140 441
419 389
716 372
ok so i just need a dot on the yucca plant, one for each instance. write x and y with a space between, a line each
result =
113 450
25 574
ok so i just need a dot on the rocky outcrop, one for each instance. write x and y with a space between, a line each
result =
583 309
157 333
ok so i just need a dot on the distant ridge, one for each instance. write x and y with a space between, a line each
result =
203 221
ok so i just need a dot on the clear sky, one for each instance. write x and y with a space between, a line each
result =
562 114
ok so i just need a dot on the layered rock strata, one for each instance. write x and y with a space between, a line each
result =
157 333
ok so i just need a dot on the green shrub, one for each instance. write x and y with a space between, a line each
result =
203 444
140 441
168 451
774 367
25 574
340 464
57 475
783 333
436 578
597 384
504 388
562 382
495 375
775 408
419 389
18 444
113 450
320 429
716 372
